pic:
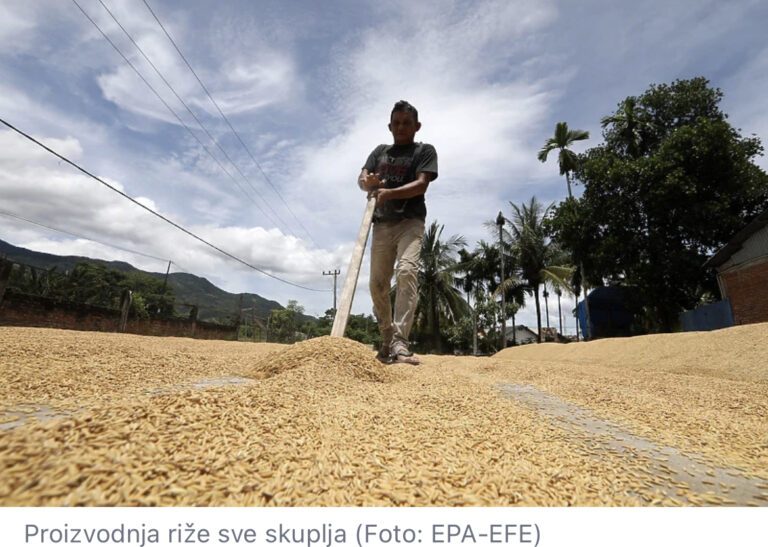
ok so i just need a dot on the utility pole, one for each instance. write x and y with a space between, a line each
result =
165 283
335 274
500 224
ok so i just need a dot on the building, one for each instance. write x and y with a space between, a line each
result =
742 272
523 335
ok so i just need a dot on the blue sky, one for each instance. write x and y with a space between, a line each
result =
308 86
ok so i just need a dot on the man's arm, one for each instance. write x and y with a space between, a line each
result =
413 188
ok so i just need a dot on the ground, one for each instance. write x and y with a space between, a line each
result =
113 419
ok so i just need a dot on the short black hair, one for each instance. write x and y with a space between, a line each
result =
405 106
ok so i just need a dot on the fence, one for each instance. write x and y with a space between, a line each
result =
711 317
26 310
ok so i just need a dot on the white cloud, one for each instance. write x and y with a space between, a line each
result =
254 78
744 99
478 125
14 23
80 205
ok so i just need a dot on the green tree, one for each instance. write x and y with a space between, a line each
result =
439 300
628 129
95 285
653 211
563 139
364 329
488 312
475 270
157 296
567 161
37 281
539 260
285 323
481 274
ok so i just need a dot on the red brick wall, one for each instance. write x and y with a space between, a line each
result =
23 310
747 290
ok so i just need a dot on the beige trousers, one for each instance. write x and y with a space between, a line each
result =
401 242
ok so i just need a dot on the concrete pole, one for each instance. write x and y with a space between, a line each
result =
335 274
500 224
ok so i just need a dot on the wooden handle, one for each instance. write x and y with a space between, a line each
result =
350 281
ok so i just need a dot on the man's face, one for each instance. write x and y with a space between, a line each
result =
403 127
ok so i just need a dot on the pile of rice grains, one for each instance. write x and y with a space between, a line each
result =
106 419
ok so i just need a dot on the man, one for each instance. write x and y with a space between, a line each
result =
398 176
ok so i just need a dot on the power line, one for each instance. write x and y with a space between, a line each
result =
172 223
18 217
172 111
230 125
80 236
167 83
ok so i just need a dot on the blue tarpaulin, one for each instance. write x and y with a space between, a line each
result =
608 313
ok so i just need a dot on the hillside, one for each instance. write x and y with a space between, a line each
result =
212 302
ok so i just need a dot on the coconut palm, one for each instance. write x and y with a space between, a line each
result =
514 294
469 282
563 138
627 127
439 299
539 261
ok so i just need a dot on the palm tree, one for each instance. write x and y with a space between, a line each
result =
514 307
514 292
483 269
627 128
540 261
563 138
469 282
438 297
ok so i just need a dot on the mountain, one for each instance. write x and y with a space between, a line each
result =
212 302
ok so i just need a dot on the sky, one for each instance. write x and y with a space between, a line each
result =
308 87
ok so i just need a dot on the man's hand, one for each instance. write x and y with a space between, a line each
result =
382 195
371 181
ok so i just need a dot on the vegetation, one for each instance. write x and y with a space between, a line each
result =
362 328
539 261
440 301
562 141
673 182
97 285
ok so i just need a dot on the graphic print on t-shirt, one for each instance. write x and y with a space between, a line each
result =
398 165
394 169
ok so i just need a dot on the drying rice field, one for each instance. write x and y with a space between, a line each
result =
112 419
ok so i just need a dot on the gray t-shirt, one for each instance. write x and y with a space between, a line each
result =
399 165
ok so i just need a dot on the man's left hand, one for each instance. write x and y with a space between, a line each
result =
382 195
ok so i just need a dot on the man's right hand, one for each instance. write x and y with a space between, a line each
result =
371 181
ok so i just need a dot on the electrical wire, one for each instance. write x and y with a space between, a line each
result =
229 124
178 269
18 217
172 111
155 213
168 84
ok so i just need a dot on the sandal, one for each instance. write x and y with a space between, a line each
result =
385 355
404 356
